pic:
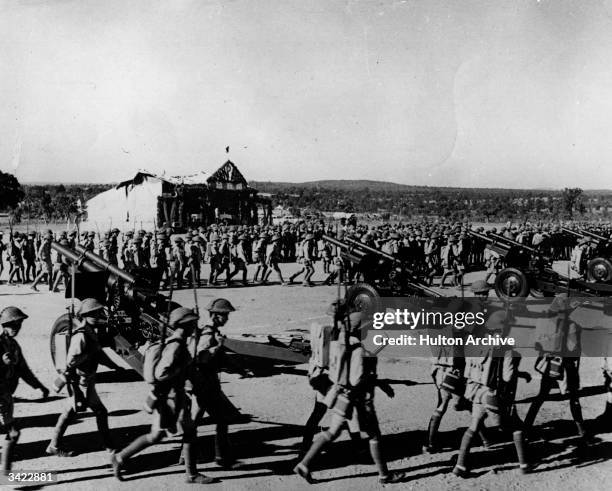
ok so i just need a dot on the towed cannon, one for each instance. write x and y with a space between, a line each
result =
529 271
383 275
598 259
137 313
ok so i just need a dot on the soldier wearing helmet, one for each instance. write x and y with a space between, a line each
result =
46 263
14 367
352 372
207 395
259 256
307 254
29 256
492 374
239 258
84 353
169 362
16 259
273 252
559 349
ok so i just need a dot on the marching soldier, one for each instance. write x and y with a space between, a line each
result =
558 361
2 249
353 373
14 367
272 259
29 255
491 376
16 259
194 259
207 394
84 352
239 258
179 261
259 252
449 261
306 250
46 264
171 405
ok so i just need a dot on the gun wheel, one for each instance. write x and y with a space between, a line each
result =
599 270
363 297
511 284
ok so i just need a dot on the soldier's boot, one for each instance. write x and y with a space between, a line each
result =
461 468
583 433
245 282
432 433
223 453
191 468
302 468
107 439
521 452
55 447
384 476
7 451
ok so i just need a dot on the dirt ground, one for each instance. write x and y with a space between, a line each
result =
280 404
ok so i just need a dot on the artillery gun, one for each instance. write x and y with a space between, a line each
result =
599 265
136 314
528 270
383 275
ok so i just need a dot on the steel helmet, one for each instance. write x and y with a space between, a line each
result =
182 315
89 306
220 305
480 286
11 314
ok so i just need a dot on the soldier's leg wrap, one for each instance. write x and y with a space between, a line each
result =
521 450
60 427
222 446
335 427
464 449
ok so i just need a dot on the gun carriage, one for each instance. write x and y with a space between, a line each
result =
599 265
527 270
383 275
136 313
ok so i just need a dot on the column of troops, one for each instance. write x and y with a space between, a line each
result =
182 377
444 251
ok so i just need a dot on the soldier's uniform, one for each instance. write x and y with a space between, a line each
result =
84 352
16 259
259 252
46 264
559 358
353 373
273 252
207 395
239 259
14 367
491 384
2 249
172 407
306 258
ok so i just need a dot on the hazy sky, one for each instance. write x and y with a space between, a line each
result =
455 93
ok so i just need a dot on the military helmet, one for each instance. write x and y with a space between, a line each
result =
220 305
89 306
182 315
11 314
480 286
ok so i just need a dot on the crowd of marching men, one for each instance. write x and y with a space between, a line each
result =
429 248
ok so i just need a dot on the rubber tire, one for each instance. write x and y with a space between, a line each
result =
364 289
524 285
603 262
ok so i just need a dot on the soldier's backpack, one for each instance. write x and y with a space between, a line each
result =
318 366
152 355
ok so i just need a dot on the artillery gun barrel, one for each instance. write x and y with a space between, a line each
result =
480 236
513 243
366 247
572 232
111 268
594 235
339 243
75 258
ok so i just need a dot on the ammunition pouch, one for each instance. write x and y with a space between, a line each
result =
453 382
